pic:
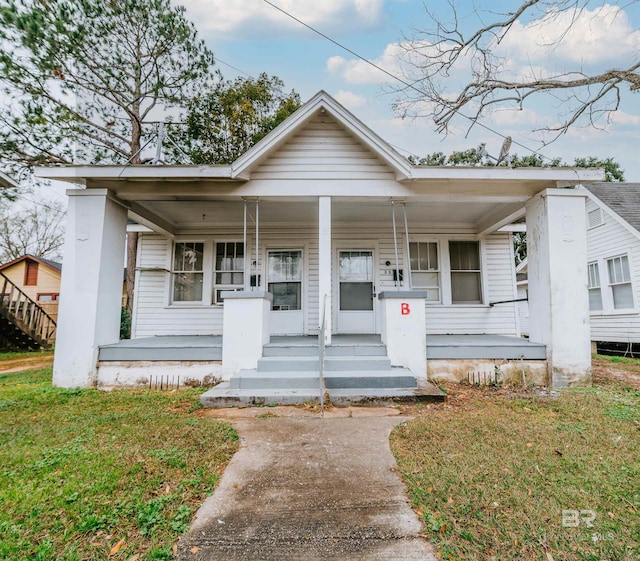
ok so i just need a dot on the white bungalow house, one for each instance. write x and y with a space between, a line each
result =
322 228
613 265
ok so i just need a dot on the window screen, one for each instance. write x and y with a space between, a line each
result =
464 258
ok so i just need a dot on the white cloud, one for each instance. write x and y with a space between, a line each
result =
602 35
255 17
350 100
356 71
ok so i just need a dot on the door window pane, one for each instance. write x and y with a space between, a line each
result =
285 279
356 296
286 295
356 265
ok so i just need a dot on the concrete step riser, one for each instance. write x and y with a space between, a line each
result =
288 364
312 351
337 364
274 383
370 382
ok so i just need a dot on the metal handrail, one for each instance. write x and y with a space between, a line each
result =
31 318
492 304
321 348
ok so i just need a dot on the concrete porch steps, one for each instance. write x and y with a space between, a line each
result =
357 370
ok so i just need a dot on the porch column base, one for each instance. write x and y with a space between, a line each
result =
403 329
245 328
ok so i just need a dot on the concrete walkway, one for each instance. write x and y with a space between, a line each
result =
306 489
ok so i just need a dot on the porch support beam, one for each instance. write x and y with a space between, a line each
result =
558 296
324 265
91 285
500 218
149 219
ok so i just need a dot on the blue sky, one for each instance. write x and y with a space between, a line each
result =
255 37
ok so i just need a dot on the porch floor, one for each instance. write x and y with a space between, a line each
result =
209 347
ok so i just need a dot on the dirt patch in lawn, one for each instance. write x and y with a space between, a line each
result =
24 364
607 371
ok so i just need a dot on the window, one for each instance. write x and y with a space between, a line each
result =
188 271
595 293
229 268
48 297
285 279
425 272
620 282
465 272
30 273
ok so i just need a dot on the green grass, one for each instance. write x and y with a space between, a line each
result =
16 355
618 359
492 477
81 470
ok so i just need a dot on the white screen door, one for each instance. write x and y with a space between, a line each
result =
356 309
284 278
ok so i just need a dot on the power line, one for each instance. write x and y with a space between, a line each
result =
397 78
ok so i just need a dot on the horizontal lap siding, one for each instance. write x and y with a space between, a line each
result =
604 241
323 150
497 320
154 317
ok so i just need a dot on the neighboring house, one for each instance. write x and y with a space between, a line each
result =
321 235
38 278
613 264
523 293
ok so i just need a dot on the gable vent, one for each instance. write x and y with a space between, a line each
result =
595 218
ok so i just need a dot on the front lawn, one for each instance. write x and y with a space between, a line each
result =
497 476
88 475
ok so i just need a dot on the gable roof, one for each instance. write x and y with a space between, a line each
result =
51 264
622 200
321 102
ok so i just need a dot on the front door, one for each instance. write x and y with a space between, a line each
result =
284 281
356 309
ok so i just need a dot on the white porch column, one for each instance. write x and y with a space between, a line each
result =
91 285
558 296
245 328
403 329
324 264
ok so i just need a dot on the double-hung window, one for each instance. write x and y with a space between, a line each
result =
425 271
595 292
620 282
229 268
464 259
187 271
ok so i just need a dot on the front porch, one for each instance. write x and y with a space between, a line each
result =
356 368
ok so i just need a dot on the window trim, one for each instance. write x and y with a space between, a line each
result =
445 267
187 303
233 287
608 308
54 297
480 271
611 284
438 270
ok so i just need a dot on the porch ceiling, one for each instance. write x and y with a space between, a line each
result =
198 214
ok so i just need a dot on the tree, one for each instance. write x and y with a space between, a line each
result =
478 156
80 77
480 61
224 123
37 230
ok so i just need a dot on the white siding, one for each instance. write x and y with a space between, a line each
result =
609 240
155 316
323 149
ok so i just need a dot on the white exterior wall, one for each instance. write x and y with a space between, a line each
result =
154 315
523 309
612 239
